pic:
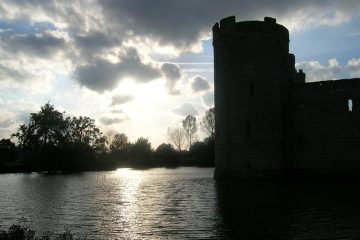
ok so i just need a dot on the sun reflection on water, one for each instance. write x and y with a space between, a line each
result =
127 193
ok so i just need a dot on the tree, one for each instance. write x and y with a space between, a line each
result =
47 127
82 131
120 142
141 151
51 142
166 153
208 123
176 136
119 146
203 152
7 151
190 129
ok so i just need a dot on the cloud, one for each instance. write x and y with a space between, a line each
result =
16 74
315 71
4 123
353 66
185 109
171 71
117 111
180 25
184 23
43 45
173 74
110 121
121 99
199 84
208 99
99 29
103 75
94 42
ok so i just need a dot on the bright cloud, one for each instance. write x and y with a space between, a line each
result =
186 109
315 71
353 67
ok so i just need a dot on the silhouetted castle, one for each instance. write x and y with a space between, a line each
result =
269 121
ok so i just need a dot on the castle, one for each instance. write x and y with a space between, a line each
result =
270 122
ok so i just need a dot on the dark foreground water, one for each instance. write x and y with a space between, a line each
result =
183 203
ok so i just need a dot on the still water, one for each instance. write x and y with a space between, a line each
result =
182 203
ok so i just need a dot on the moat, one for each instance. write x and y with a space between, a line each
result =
182 203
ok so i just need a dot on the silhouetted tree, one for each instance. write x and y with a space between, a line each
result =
190 128
176 136
119 147
208 123
51 142
82 131
120 142
204 152
166 154
7 152
47 127
141 151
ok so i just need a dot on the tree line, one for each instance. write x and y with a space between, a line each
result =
52 142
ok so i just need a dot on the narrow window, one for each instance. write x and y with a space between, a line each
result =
350 105
251 89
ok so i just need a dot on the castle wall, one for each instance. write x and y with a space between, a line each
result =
251 76
326 135
269 121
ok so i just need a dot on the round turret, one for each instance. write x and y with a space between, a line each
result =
251 61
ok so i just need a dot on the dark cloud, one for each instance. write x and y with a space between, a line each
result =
181 24
103 75
121 99
185 109
43 45
200 84
171 71
173 74
99 76
110 121
94 42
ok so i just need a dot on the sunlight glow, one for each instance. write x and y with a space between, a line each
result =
125 172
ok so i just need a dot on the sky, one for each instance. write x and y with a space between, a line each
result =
140 66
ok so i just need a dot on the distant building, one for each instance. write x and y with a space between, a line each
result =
271 123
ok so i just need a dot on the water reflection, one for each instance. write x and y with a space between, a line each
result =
183 203
162 204
289 211
126 200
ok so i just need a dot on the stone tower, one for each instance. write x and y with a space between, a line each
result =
253 69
